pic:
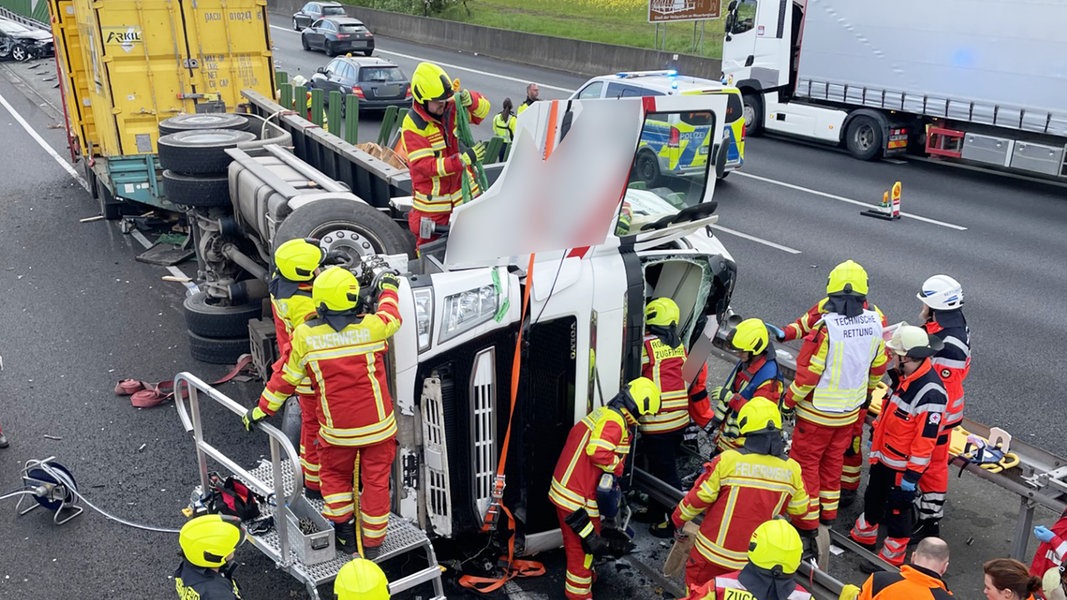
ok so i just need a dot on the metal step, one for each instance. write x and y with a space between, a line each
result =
401 537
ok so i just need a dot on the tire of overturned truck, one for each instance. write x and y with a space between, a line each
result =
217 351
197 122
201 191
209 319
349 227
200 152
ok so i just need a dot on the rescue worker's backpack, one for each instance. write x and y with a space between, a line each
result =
232 497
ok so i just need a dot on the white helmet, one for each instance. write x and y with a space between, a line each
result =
914 342
941 292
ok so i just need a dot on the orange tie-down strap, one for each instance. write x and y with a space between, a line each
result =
146 395
513 567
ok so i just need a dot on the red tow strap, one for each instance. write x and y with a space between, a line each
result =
147 395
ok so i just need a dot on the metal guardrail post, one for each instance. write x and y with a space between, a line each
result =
333 117
351 119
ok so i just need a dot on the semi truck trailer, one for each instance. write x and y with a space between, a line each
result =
974 81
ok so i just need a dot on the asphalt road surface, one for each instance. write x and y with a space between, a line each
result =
82 313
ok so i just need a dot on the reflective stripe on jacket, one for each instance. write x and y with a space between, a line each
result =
727 587
348 375
906 431
911 583
757 379
504 129
433 156
953 362
663 365
291 305
596 445
739 491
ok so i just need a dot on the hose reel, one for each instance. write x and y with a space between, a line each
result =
52 486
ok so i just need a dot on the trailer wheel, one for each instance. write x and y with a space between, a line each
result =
203 121
353 228
753 112
646 169
863 138
217 351
200 151
202 191
206 318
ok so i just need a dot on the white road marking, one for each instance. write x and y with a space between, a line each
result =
799 188
755 239
81 180
43 144
452 67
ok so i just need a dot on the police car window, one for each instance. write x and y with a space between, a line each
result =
734 108
591 91
621 90
697 118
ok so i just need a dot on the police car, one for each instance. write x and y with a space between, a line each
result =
676 148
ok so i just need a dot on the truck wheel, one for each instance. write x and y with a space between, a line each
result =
863 137
200 152
646 169
204 191
206 318
353 228
753 111
203 121
217 351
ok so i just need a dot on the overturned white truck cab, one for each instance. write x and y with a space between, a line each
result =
562 229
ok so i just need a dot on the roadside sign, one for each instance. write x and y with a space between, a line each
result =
662 11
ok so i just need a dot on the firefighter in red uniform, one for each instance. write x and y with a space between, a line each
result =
739 489
1048 558
586 477
773 556
297 262
841 361
902 443
942 316
343 351
853 462
436 163
756 375
662 358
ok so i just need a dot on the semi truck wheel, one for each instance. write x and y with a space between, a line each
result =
217 351
863 138
200 152
203 121
753 111
202 191
206 318
353 228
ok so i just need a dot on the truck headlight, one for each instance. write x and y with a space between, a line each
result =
466 310
423 315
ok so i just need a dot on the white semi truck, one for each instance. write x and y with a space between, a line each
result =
979 81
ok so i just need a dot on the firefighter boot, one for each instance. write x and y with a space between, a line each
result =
925 528
811 545
312 494
372 552
345 536
847 497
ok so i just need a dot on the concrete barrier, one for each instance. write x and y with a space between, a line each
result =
562 54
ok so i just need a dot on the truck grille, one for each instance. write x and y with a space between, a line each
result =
483 427
438 499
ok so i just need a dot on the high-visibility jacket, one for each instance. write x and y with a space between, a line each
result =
504 128
911 583
525 104
291 305
807 321
596 445
740 490
840 362
906 430
1050 554
348 375
727 587
201 583
953 361
759 378
663 365
434 161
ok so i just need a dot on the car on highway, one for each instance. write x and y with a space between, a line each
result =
338 35
675 149
20 42
377 82
313 11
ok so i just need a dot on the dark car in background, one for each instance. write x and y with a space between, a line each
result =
21 42
338 35
313 11
377 83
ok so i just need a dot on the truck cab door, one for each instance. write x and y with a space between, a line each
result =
758 43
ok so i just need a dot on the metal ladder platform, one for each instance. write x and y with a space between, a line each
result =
401 537
276 480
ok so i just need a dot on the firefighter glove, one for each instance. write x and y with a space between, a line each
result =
388 281
596 545
789 413
474 154
1043 533
776 331
253 416
335 257
907 486
580 523
465 98
849 592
